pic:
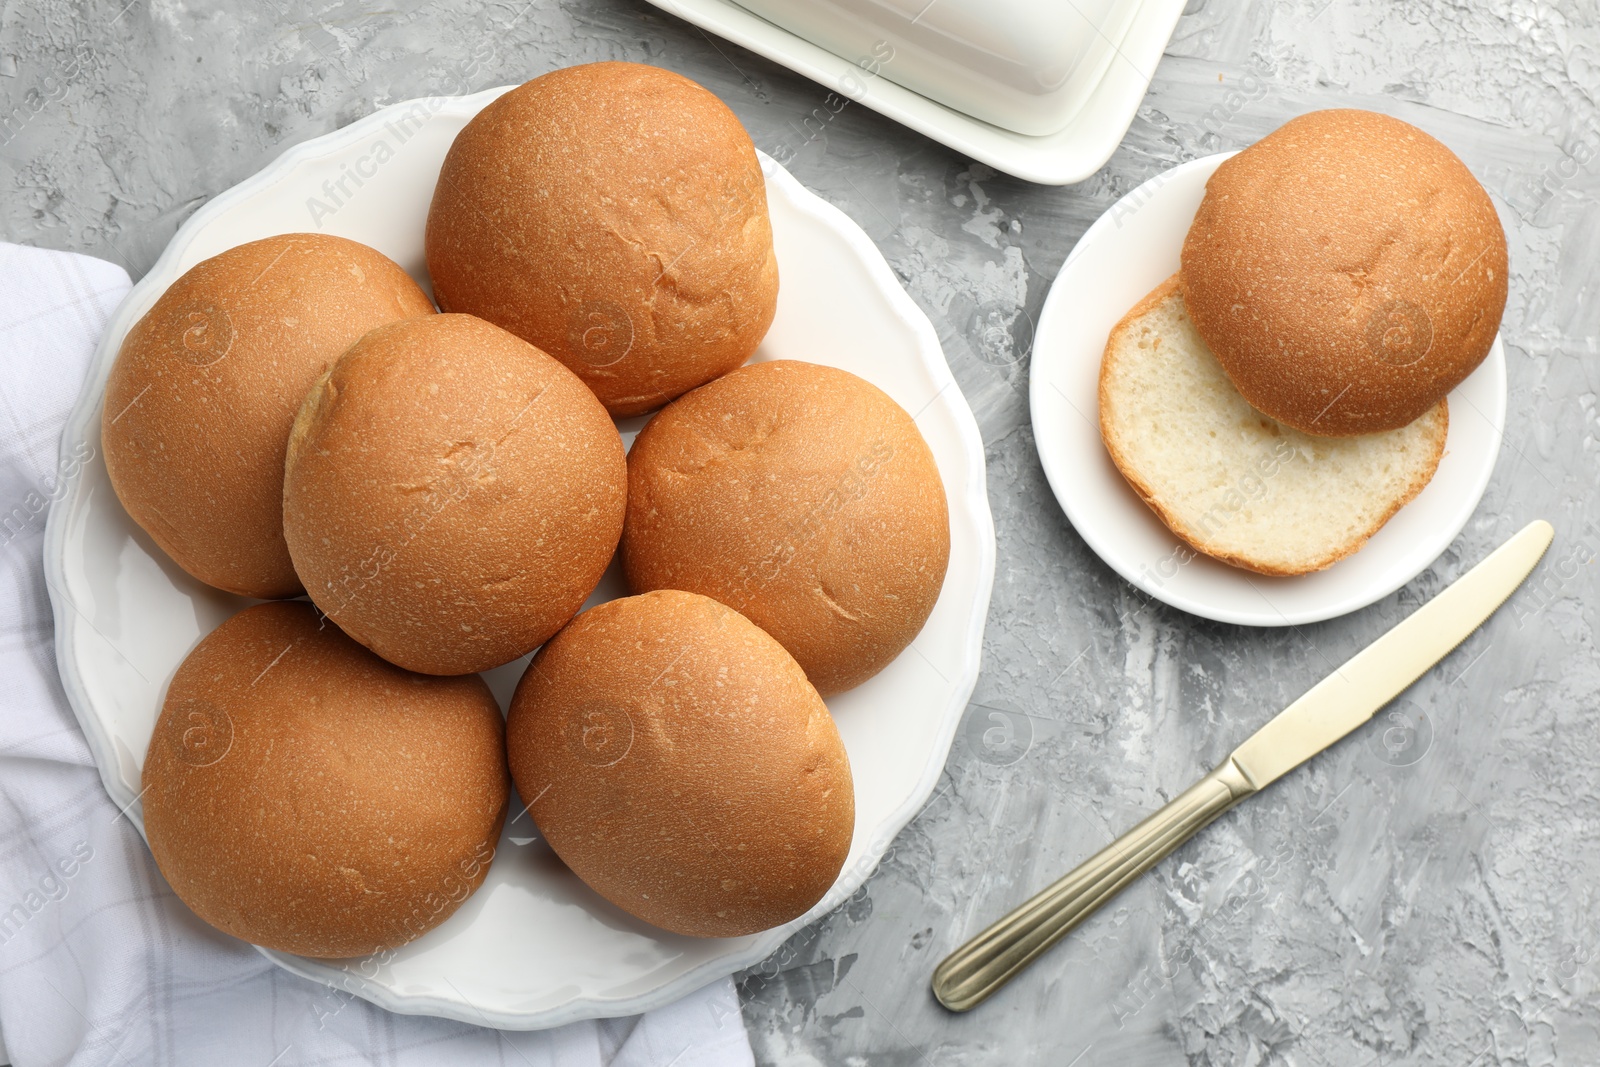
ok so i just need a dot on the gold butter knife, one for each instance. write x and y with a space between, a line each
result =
1331 709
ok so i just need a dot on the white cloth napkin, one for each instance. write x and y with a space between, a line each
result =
99 962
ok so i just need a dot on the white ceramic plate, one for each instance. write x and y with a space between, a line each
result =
1129 251
1062 158
534 947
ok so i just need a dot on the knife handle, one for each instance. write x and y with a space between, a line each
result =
975 970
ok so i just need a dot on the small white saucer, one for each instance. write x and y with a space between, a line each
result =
1127 252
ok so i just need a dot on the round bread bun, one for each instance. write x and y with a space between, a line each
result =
452 494
204 390
1347 270
801 496
304 795
615 215
676 758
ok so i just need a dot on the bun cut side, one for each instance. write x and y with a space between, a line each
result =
1227 479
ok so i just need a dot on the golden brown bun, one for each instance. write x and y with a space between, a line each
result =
615 215
801 496
202 395
1347 270
452 494
1231 482
304 795
676 758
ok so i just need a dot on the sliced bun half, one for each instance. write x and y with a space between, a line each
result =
1231 481
1347 270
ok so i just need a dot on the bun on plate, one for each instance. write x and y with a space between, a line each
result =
801 496
1347 270
204 390
1232 482
304 795
676 758
615 215
452 494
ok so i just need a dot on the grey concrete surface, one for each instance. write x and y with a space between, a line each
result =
1433 907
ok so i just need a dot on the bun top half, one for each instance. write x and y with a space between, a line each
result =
1347 270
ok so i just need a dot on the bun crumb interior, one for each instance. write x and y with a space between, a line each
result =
1232 482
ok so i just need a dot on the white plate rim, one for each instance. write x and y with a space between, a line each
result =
1062 158
973 497
1080 514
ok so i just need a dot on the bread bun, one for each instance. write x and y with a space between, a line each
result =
202 394
1227 479
801 496
304 795
676 758
1347 270
615 215
452 494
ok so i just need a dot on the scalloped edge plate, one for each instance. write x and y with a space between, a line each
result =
534 947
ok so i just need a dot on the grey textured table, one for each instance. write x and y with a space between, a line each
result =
1438 905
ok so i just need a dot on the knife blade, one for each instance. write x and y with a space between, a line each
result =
1330 710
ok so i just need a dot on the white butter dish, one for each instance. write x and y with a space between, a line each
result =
1042 91
1021 65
